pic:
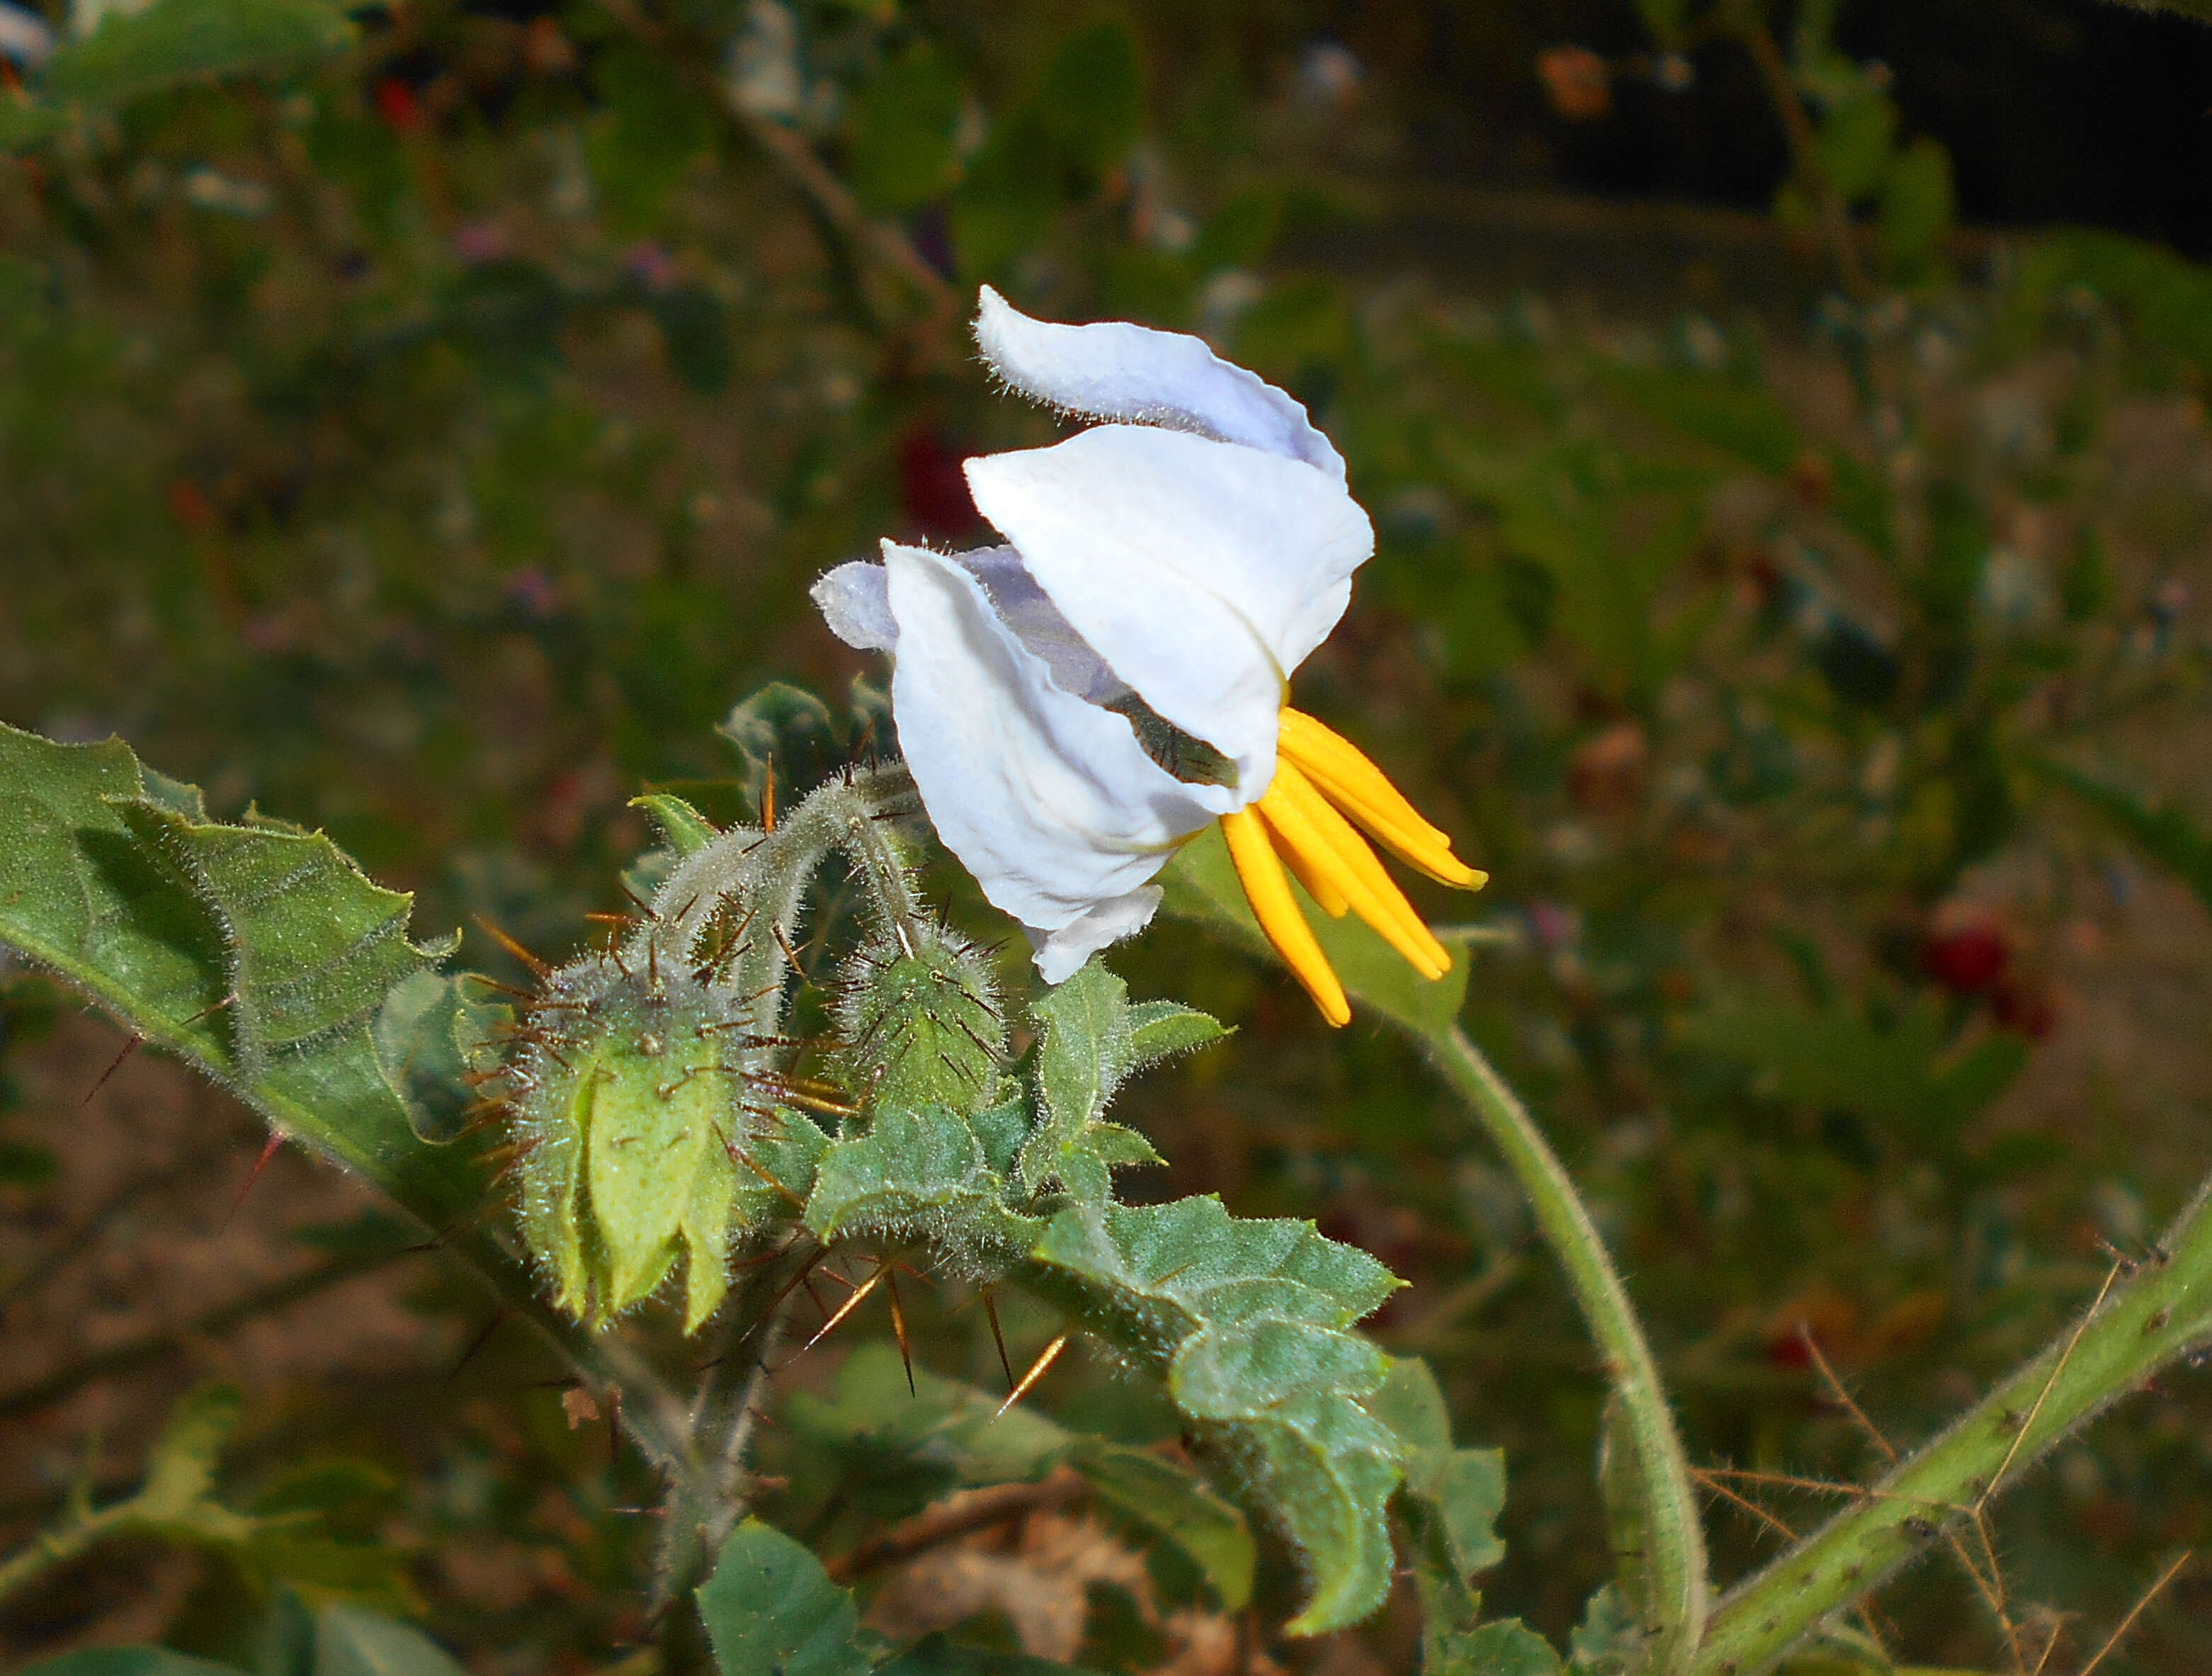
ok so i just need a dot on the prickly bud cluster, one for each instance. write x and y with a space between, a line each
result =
630 1112
920 1022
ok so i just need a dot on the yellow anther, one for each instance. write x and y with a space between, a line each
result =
1340 770
1266 888
1318 836
1318 885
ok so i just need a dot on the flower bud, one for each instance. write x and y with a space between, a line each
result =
630 1107
921 1026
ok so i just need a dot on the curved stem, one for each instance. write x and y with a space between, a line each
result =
1676 1593
2137 1324
1749 25
768 874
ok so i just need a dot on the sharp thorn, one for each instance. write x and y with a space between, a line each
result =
1050 1354
476 1344
268 1150
997 1337
898 1328
538 968
113 1065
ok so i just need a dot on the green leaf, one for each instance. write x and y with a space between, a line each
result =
1509 1648
298 977
431 1032
903 125
919 1172
1918 204
350 1640
1246 1322
180 1470
1090 1040
132 53
1855 141
1467 1487
131 901
24 122
652 127
1451 1504
1608 1642
1091 96
1084 1051
1201 886
915 1444
2165 832
126 1661
1168 1029
1085 1048
1238 234
770 1610
1907 1074
1664 19
784 730
1165 1498
694 326
1006 202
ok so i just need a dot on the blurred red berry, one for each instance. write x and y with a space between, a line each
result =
1966 960
397 103
188 505
1577 80
2025 1006
933 489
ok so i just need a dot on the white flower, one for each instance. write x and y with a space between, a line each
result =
24 36
1078 703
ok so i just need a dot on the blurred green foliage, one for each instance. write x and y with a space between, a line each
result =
425 423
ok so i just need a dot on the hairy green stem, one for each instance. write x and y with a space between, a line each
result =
2139 1323
1676 1595
78 1531
765 876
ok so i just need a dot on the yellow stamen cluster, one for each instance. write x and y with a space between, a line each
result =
1300 822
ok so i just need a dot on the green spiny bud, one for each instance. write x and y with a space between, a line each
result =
920 1022
631 1114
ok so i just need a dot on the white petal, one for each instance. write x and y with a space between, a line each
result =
1202 572
1048 801
854 601
1116 370
24 36
1059 954
1027 610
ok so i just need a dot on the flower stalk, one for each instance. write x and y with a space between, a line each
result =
1676 1595
2153 1311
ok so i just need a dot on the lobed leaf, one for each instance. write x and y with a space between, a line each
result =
351 1641
1246 1321
135 52
1507 1647
912 1445
254 954
770 1607
919 1172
